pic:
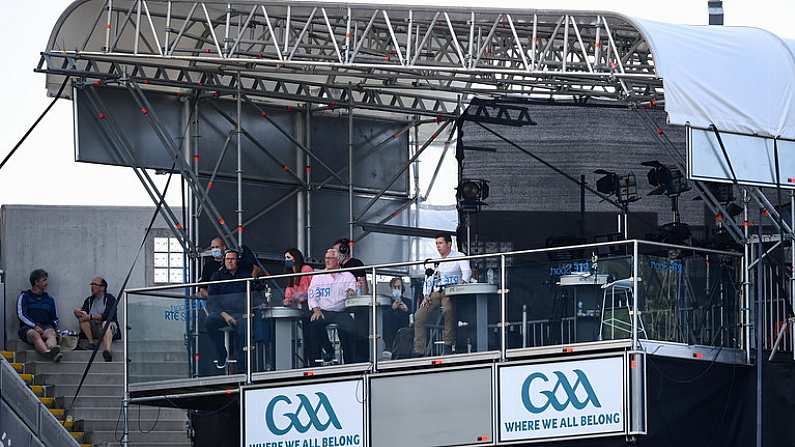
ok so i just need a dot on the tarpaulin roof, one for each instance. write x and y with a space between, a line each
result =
737 78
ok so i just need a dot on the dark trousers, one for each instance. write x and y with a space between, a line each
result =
345 331
214 323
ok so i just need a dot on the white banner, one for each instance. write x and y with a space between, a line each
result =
319 415
562 399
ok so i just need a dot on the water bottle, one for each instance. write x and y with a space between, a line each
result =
490 276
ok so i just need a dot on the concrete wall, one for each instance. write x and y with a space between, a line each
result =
74 244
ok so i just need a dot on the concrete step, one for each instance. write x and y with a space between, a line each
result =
68 356
42 390
8 355
92 401
107 424
79 436
48 402
59 413
58 378
170 437
19 367
27 378
158 356
98 367
90 390
83 356
92 413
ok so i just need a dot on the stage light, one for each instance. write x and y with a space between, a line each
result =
665 179
471 193
624 187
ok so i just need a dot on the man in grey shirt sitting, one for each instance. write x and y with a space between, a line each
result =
95 312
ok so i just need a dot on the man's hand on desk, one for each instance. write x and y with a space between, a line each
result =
230 320
317 314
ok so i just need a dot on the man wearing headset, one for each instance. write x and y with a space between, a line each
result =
326 298
344 248
226 305
215 262
361 336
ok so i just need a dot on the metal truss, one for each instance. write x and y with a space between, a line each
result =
414 60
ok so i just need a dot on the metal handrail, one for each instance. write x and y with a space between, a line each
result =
440 260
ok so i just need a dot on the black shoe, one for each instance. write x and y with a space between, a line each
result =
55 352
328 357
107 356
447 350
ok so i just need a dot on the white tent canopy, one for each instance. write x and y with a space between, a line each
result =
735 78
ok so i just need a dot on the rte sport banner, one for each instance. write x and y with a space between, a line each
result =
318 415
562 399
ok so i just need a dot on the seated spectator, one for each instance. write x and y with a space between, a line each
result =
327 294
247 264
226 305
38 317
93 315
295 295
397 315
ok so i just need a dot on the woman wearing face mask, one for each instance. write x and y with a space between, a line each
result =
397 315
297 286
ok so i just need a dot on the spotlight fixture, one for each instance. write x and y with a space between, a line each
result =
666 179
471 193
624 187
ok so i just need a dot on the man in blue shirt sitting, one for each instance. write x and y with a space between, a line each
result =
226 305
38 317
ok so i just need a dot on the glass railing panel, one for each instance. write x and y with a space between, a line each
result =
311 323
689 296
563 296
457 305
163 336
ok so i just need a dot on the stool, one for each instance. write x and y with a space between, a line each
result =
227 330
332 329
624 286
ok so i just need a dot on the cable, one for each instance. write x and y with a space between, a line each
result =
157 420
124 284
35 123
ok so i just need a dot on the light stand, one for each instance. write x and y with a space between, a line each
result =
625 188
470 194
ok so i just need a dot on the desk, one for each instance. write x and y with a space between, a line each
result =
583 312
284 319
362 305
481 293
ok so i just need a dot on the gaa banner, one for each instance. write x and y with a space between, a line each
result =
318 415
562 399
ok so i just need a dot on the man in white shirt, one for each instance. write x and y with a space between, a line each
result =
326 297
447 273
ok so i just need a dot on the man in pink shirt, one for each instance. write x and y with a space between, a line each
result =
326 297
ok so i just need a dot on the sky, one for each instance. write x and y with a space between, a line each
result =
43 170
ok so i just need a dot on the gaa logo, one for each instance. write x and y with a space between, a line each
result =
282 414
549 391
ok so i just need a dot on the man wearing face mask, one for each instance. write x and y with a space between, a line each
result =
212 264
396 316
248 263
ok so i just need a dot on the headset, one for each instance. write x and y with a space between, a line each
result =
345 246
232 250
